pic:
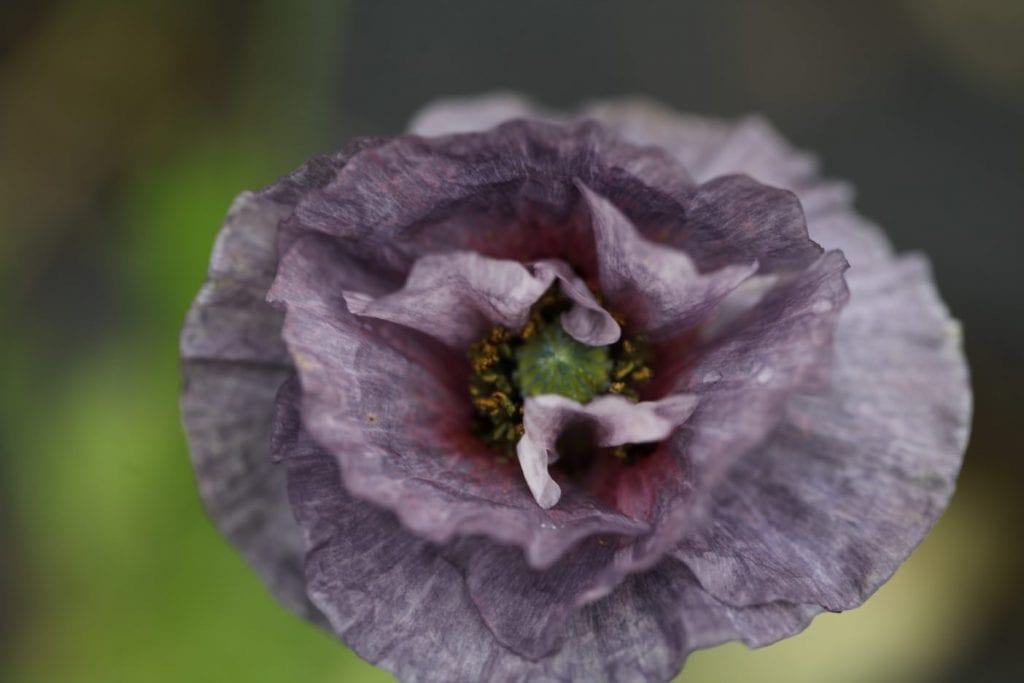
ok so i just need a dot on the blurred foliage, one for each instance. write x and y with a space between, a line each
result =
127 127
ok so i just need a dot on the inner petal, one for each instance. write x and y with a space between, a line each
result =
455 296
614 421
657 285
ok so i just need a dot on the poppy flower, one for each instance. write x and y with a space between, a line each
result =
522 396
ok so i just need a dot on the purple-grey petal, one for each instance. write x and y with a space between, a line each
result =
474 611
507 192
709 148
656 286
858 472
778 348
735 219
706 148
233 361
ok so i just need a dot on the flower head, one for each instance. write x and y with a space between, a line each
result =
520 396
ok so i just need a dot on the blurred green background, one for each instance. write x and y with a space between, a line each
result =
127 126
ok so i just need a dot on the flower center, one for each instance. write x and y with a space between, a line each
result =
509 365
552 362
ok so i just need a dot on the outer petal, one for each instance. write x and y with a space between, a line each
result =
390 404
858 473
657 286
776 349
528 611
613 420
511 192
708 148
506 192
233 361
735 219
455 296
415 609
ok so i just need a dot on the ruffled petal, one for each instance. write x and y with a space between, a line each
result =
613 420
706 148
233 361
473 610
844 488
779 347
856 475
390 404
776 349
735 219
455 296
709 148
656 286
507 192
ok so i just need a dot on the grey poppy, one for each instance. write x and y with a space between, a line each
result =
792 428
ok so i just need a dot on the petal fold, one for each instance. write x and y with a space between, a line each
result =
391 405
857 472
455 296
656 286
613 421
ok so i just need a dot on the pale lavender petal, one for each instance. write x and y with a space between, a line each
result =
656 286
688 137
753 147
858 472
455 296
586 321
613 420
469 114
